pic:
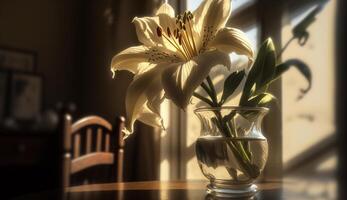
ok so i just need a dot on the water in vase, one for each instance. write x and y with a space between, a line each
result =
238 160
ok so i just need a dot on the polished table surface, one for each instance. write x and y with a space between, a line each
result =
180 190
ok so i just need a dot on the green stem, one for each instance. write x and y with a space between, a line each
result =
213 90
206 89
204 99
211 93
237 148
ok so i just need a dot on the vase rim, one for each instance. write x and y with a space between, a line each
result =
202 109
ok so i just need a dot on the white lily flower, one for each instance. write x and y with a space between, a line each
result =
176 55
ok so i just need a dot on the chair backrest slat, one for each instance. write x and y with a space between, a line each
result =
89 141
107 142
99 140
77 145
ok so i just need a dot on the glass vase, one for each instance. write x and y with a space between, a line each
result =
231 150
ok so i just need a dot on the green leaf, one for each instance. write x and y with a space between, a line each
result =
231 83
299 65
262 71
260 100
283 67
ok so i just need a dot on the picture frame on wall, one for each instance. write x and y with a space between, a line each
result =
3 92
25 96
17 59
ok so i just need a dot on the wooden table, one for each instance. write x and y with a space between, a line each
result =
179 190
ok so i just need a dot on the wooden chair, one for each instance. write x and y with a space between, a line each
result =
89 143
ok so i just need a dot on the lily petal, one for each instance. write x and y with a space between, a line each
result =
150 118
146 30
165 8
209 17
144 89
145 116
230 40
180 80
140 58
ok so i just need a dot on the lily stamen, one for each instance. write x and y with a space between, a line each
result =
180 45
190 17
160 33
186 37
186 46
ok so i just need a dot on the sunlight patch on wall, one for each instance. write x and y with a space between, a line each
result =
164 142
311 119
164 170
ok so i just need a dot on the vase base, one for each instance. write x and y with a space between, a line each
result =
246 192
